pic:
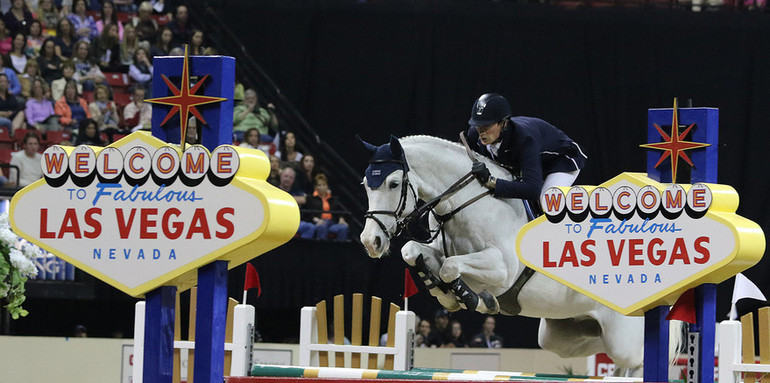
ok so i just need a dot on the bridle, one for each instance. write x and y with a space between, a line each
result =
402 223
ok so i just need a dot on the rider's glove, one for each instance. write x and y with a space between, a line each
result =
481 173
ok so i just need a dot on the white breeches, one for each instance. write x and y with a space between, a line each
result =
559 179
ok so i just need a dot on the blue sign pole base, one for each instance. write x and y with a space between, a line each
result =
210 322
159 335
656 345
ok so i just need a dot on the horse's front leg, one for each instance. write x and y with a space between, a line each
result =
427 260
485 265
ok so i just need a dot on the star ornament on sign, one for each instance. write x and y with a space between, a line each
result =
184 100
674 146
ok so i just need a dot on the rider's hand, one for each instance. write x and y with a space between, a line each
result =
481 172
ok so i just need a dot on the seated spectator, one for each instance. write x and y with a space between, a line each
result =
325 223
248 114
5 39
196 47
48 14
31 72
138 114
127 6
146 26
11 115
141 69
128 45
162 46
287 185
28 162
456 336
287 148
487 337
35 40
104 111
306 174
50 63
109 17
86 71
439 335
13 81
65 39
423 330
274 178
39 109
71 107
88 134
250 139
18 18
83 25
180 26
68 74
106 50
17 55
191 135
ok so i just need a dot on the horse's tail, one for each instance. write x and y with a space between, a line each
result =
677 340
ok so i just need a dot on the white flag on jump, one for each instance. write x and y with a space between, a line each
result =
744 288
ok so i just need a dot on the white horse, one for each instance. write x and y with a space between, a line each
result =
475 252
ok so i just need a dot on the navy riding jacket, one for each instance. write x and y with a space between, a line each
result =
530 149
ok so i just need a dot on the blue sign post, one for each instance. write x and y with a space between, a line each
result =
200 86
703 124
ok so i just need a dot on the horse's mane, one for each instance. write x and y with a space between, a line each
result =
451 145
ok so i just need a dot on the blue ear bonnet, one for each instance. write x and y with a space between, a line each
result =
384 162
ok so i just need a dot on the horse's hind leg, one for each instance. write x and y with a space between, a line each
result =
427 261
623 337
570 337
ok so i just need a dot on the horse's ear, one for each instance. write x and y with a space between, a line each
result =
369 147
395 147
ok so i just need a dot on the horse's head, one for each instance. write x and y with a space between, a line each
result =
387 188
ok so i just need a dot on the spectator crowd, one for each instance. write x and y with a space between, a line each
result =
77 72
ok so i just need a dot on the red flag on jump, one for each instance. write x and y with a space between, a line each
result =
252 279
409 287
684 308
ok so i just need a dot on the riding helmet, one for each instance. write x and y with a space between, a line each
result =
488 109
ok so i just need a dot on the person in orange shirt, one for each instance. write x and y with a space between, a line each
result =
71 107
323 206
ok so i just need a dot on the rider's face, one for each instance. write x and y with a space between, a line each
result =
489 133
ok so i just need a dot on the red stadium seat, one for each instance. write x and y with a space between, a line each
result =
161 19
117 79
122 99
6 141
57 137
5 158
19 135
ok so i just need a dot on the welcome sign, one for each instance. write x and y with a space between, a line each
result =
633 243
140 213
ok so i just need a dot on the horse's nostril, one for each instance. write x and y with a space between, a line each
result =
377 242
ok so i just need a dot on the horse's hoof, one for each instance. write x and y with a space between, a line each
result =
488 303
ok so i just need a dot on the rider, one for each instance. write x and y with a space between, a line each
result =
537 154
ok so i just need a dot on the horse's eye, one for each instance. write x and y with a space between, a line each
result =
393 184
